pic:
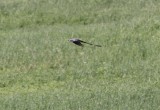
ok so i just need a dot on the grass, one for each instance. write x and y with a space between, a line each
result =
40 69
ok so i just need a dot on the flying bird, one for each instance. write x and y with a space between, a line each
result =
79 42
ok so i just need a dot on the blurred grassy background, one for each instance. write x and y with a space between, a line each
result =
40 69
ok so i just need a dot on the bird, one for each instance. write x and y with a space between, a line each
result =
79 42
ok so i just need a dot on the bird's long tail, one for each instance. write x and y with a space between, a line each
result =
90 43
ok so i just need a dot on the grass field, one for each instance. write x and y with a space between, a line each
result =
41 70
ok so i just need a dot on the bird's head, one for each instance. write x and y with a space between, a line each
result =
73 40
70 40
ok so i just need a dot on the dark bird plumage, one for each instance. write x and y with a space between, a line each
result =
79 42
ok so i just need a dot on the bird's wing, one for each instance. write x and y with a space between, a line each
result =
85 42
90 43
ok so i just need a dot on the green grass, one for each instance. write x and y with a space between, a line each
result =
41 70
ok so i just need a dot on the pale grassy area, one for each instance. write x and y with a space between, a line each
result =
41 70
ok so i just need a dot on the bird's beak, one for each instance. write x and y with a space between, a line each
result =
70 40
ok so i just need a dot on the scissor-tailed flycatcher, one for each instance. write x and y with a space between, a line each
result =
79 42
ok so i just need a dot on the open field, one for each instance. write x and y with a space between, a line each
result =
41 70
